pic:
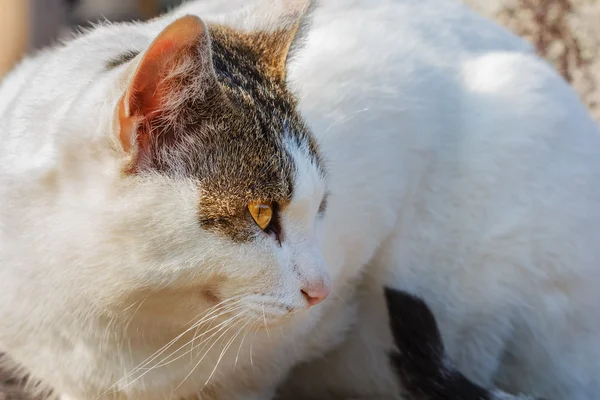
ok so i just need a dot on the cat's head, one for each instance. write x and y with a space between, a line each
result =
222 185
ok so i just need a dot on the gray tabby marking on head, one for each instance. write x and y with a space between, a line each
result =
225 118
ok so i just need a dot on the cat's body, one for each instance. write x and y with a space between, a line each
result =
451 152
497 184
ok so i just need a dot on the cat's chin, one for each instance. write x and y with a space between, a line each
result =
272 322
265 319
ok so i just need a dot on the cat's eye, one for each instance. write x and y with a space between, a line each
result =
262 213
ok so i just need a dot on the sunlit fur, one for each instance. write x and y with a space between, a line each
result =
143 278
466 171
460 167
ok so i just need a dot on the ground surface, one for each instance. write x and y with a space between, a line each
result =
564 31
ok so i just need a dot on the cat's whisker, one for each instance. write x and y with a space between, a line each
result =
211 318
252 345
265 321
237 356
211 309
164 348
231 324
194 326
207 351
233 307
190 342
227 328
142 301
345 118
126 326
133 304
227 346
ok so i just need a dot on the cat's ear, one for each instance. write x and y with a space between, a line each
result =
282 30
182 50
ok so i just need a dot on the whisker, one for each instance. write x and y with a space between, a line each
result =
252 345
266 327
233 307
207 351
345 118
145 367
237 356
154 367
190 342
164 348
237 297
157 353
134 312
227 346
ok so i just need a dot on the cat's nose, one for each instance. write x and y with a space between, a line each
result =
316 293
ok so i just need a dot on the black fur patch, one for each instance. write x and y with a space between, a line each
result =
419 361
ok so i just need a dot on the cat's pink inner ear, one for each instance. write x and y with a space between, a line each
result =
148 90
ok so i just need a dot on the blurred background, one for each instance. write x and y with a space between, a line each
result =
565 32
28 25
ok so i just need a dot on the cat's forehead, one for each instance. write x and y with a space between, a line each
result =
240 147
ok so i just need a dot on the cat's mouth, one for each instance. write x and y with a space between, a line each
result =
269 313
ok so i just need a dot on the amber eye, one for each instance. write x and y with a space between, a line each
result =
261 213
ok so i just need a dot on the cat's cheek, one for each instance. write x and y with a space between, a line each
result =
253 268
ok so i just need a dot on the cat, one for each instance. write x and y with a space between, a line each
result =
161 199
420 362
171 225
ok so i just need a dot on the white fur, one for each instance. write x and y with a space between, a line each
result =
474 170
100 270
460 167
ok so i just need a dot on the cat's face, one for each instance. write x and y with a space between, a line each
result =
233 183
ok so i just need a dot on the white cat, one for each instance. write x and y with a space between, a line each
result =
160 227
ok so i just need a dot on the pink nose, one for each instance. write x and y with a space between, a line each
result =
315 294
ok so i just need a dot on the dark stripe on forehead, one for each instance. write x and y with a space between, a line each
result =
239 69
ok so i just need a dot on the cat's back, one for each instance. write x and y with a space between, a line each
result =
435 92
427 103
495 163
